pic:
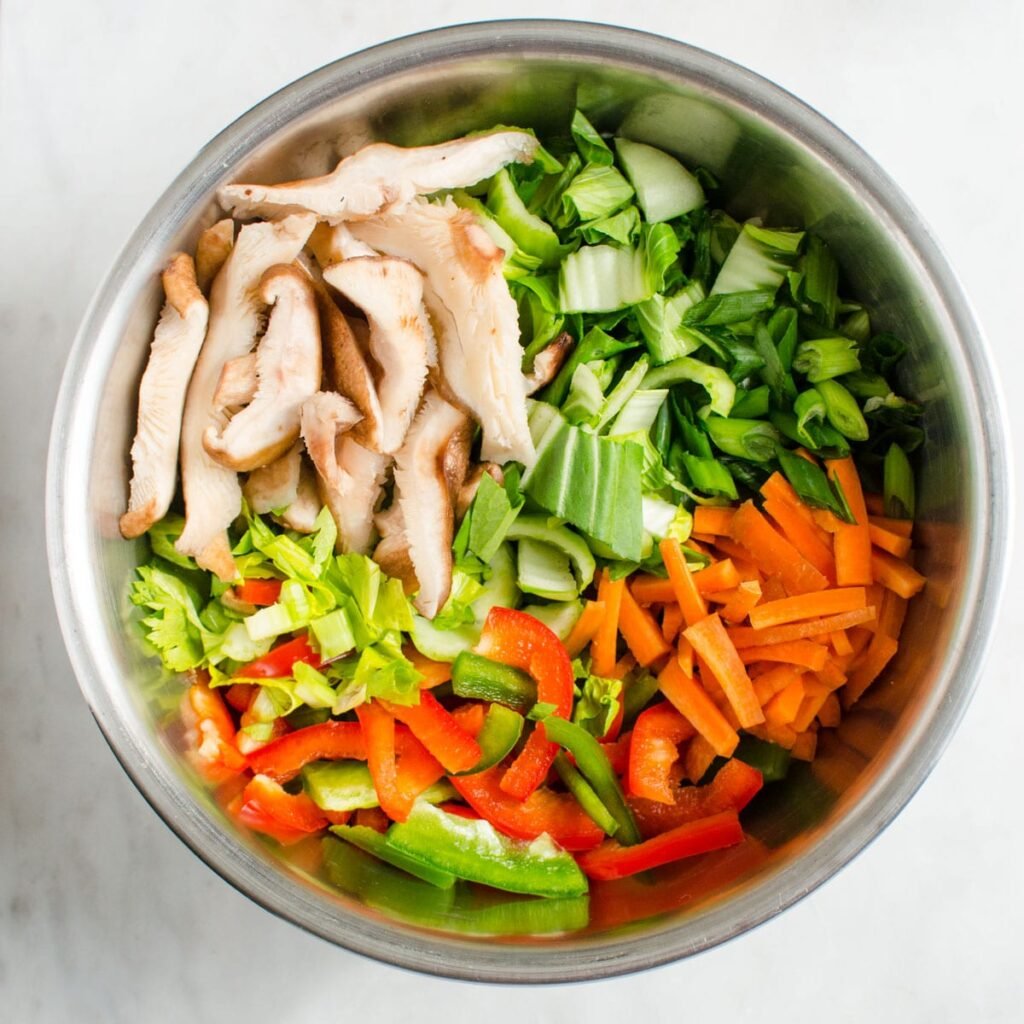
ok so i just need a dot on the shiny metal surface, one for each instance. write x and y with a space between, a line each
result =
775 157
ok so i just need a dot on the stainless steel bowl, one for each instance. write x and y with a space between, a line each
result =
775 156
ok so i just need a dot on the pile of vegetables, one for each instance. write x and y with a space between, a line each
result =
706 562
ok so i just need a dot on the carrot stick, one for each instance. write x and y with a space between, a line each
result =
711 641
875 504
783 707
777 486
901 527
772 553
815 696
805 746
879 653
775 680
690 602
832 675
652 590
827 521
671 622
602 650
623 667
741 600
783 735
808 606
830 714
745 636
891 614
840 641
793 652
586 627
687 697
813 543
720 576
853 541
712 520
896 575
889 541
641 633
697 759
685 656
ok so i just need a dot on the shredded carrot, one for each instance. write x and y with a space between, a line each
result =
671 622
808 606
690 602
783 735
701 538
697 759
853 541
744 636
811 541
712 520
641 633
434 672
719 576
740 601
783 707
860 637
772 553
889 541
831 674
777 486
687 697
775 680
652 590
773 590
805 746
586 627
831 713
815 695
878 654
711 641
602 650
892 614
623 667
896 575
827 521
792 652
684 655
901 527
840 641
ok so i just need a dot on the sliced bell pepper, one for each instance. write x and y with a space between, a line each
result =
617 752
585 795
520 640
498 732
438 731
278 662
259 592
296 811
240 695
610 860
730 790
655 749
418 769
480 678
255 818
371 841
379 734
284 758
543 810
210 733
372 817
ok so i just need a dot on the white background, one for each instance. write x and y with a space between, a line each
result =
104 915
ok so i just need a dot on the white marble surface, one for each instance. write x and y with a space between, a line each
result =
104 915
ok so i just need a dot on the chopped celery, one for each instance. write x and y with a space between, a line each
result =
842 410
621 393
758 261
541 530
639 412
746 439
583 404
715 381
824 358
664 187
544 571
600 278
597 191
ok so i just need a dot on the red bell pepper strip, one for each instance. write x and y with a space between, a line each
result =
210 732
611 861
438 731
520 640
284 758
418 769
617 752
279 661
730 790
379 734
372 817
543 810
294 811
460 811
253 817
655 749
259 592
240 695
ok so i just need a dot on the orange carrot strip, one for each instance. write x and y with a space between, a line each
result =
853 541
720 576
623 667
671 622
875 504
434 672
641 633
879 653
889 541
652 590
808 606
697 759
712 520
586 628
840 641
901 527
775 680
777 486
701 538
832 674
793 652
741 600
805 746
772 553
806 537
896 575
773 590
783 707
745 636
602 649
711 641
892 614
690 602
830 714
783 735
684 655
826 520
815 695
687 697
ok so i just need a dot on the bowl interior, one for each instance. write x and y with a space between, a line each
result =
775 159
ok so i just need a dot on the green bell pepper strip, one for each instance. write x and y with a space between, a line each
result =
347 786
480 678
597 770
771 760
475 850
376 844
500 733
585 795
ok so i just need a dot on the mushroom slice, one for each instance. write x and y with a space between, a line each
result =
288 366
379 176
213 497
351 476
275 485
332 243
423 496
301 514
176 344
392 553
548 361
238 383
390 293
481 358
212 249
